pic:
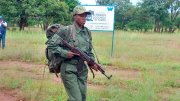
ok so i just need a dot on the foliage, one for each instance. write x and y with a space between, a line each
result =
37 12
102 2
141 20
162 15
123 13
153 15
52 11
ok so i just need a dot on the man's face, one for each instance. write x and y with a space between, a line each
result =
0 20
80 19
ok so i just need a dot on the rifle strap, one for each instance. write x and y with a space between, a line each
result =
71 32
89 33
90 36
90 70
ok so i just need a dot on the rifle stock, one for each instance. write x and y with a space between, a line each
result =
86 58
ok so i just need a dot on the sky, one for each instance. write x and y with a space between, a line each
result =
92 2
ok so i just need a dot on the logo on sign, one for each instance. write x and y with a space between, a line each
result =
110 8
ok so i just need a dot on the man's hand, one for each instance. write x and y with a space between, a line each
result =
71 54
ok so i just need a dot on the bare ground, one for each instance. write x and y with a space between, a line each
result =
11 95
15 95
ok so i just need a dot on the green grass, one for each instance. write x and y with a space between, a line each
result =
24 46
154 56
138 50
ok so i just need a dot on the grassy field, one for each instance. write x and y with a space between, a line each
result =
145 67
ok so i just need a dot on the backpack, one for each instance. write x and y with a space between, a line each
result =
54 61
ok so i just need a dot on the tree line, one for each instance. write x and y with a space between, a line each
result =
25 13
154 15
147 15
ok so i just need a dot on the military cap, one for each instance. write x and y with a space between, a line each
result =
80 10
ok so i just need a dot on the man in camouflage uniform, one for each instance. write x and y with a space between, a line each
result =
74 76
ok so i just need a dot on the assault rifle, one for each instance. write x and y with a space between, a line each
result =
85 57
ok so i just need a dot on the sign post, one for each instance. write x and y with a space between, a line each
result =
101 19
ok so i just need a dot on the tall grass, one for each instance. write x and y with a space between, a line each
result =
131 50
138 50
154 56
24 46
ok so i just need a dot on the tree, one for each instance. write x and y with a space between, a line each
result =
140 20
51 11
173 6
43 12
123 13
71 4
157 10
17 11
162 15
164 12
103 2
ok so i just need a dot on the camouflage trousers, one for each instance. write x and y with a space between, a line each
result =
75 83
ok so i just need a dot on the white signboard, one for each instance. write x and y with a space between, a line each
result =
101 18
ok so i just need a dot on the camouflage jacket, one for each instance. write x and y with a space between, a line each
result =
75 36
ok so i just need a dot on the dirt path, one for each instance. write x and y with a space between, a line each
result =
13 95
6 97
10 95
